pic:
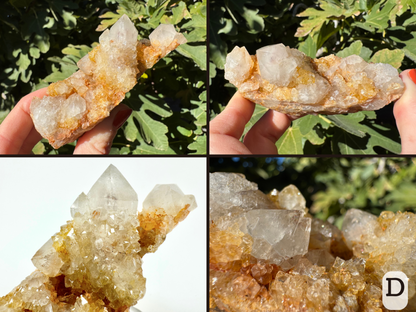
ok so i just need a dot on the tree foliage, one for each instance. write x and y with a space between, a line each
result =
43 40
377 30
331 186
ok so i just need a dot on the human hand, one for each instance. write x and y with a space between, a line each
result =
405 112
18 134
226 129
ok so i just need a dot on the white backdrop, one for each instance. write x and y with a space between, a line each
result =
35 199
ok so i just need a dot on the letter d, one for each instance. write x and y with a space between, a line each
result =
395 290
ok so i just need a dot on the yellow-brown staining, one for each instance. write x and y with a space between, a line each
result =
152 229
93 53
60 294
58 239
60 88
182 214
304 77
362 91
324 63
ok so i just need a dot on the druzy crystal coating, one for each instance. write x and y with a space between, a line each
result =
290 82
95 262
76 104
276 257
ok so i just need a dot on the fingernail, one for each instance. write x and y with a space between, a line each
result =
412 75
121 117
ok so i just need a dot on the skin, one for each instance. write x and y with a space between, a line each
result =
405 114
18 134
227 128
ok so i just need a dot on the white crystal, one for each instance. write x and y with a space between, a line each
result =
238 65
290 198
113 193
123 32
170 198
358 226
165 34
286 231
47 259
276 64
233 193
80 205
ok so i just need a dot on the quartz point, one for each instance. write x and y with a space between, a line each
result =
78 103
290 82
282 259
95 262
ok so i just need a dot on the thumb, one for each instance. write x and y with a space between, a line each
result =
99 139
405 112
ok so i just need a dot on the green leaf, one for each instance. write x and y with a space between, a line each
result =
34 52
178 14
290 143
184 131
196 35
366 53
23 62
197 53
353 49
42 42
150 130
199 146
351 144
349 123
38 149
315 137
392 57
308 47
379 18
217 46
259 111
79 51
229 29
317 18
254 22
70 21
109 18
307 123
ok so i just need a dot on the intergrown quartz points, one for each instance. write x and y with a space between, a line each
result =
234 194
288 81
277 234
282 259
95 262
76 104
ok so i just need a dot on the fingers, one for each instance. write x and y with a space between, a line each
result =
405 113
99 139
224 144
17 133
262 137
233 119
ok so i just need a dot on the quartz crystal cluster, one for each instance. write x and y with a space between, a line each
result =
266 253
290 82
76 104
95 262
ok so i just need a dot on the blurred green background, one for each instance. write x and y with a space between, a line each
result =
331 186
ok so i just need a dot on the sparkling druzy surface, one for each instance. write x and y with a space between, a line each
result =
260 261
76 104
95 262
288 81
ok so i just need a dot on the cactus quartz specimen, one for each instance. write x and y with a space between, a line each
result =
76 104
288 81
267 253
95 262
